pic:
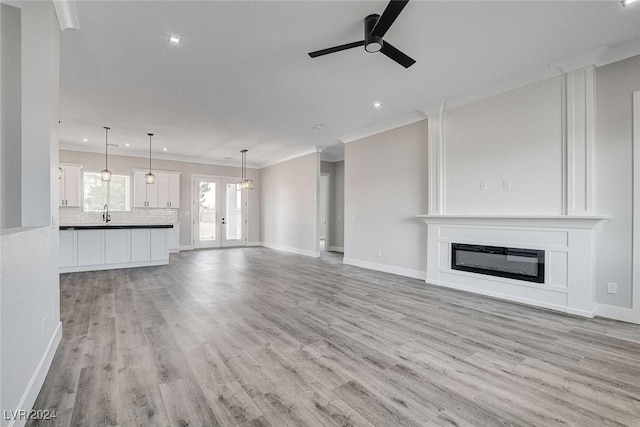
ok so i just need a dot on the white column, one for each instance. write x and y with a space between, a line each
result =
436 165
580 142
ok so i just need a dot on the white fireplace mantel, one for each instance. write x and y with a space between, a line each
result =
553 221
568 243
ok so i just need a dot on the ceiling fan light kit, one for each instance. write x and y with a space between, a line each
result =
375 27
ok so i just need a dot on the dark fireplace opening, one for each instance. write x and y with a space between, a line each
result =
513 263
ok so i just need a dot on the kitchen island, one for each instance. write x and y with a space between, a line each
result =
110 246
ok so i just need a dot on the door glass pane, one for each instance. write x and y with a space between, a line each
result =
234 213
207 214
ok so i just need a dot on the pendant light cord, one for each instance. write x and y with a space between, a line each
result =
150 135
106 147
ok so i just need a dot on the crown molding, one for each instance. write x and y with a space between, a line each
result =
66 14
306 152
156 156
414 117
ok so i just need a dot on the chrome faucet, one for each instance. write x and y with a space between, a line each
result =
105 214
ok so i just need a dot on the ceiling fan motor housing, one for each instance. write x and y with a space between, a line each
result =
371 43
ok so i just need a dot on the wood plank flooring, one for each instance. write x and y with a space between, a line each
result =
256 337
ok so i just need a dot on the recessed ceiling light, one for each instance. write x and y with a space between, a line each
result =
127 145
628 2
318 126
85 140
377 104
227 158
164 149
175 40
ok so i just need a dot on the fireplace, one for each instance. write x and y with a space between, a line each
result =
513 263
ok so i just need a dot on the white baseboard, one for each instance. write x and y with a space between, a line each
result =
617 313
186 248
253 244
400 271
99 267
29 396
336 249
297 251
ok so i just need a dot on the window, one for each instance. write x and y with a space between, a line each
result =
97 193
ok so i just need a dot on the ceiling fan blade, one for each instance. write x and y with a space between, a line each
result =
396 55
336 49
388 17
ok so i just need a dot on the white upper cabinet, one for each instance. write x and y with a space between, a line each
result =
168 190
70 185
165 193
139 190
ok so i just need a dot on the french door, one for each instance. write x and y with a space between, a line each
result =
218 213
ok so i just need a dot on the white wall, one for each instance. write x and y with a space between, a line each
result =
29 281
516 136
615 84
10 187
385 187
94 162
289 205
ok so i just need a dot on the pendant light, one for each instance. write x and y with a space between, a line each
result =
106 173
245 184
150 178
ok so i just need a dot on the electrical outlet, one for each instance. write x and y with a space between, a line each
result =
353 217
53 310
44 327
506 184
379 254
483 186
612 288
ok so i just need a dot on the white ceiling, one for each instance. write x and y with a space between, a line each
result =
242 77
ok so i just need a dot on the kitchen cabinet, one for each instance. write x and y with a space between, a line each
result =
165 193
104 247
140 245
144 195
173 239
158 240
70 185
90 247
117 246
68 248
168 190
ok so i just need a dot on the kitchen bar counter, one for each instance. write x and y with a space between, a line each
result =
105 247
113 226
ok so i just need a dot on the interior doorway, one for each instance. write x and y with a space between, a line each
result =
218 212
323 212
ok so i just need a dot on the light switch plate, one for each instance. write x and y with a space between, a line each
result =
612 288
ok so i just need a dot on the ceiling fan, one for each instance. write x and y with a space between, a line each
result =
375 27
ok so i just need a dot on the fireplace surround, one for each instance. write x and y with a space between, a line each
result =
568 276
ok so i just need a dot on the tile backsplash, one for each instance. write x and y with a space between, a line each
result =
75 216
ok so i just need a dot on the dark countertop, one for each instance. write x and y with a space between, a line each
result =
114 226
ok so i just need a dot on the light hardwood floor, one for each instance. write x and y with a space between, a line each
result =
256 337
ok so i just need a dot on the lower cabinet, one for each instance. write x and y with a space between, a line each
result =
68 248
173 239
102 249
158 244
140 245
90 247
117 246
